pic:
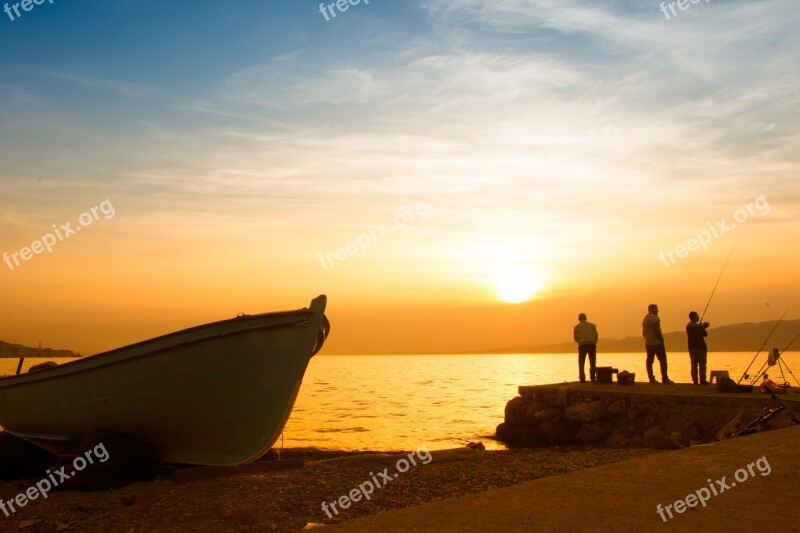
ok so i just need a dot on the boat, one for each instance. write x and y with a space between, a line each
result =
217 394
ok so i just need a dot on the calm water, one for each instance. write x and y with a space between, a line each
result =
387 402
402 402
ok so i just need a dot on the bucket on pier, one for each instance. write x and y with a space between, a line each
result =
604 374
626 378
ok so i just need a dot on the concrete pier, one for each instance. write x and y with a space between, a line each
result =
641 414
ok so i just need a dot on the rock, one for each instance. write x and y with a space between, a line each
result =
633 429
655 438
616 410
654 419
527 435
586 412
728 429
562 400
516 409
679 439
533 407
528 394
549 414
559 432
533 436
707 421
509 432
595 432
618 440
633 413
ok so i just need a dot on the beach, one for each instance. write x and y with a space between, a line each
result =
289 500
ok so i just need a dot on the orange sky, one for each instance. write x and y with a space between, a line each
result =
393 298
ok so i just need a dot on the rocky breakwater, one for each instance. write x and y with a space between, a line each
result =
551 415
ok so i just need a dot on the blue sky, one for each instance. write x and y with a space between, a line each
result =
238 137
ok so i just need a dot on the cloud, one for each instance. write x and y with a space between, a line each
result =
511 117
122 87
273 86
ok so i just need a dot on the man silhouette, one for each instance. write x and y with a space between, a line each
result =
585 334
654 344
698 350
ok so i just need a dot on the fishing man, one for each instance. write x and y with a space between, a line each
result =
654 344
698 351
585 334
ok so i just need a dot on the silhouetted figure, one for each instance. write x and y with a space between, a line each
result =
698 351
585 334
654 344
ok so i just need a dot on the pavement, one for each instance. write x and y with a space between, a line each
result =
624 496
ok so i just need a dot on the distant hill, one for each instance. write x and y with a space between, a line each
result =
744 337
18 350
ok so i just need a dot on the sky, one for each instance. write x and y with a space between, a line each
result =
456 175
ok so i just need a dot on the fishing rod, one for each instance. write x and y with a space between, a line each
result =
778 323
782 362
724 266
779 361
790 343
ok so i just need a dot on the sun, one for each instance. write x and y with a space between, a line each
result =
517 284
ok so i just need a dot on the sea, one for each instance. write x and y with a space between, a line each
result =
402 402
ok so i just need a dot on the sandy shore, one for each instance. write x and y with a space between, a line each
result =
288 500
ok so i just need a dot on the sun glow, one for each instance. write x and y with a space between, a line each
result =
517 284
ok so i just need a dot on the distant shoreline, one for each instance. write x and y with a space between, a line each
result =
40 356
415 354
734 338
743 337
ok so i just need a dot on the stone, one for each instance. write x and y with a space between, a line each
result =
595 432
509 432
527 393
558 433
618 440
633 413
653 418
728 429
631 429
515 410
655 438
533 436
562 400
616 410
549 414
586 412
533 407
679 439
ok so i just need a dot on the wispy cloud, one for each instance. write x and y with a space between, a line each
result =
122 87
271 85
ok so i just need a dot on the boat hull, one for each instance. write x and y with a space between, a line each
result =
218 394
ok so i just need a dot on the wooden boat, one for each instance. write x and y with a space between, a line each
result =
217 394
